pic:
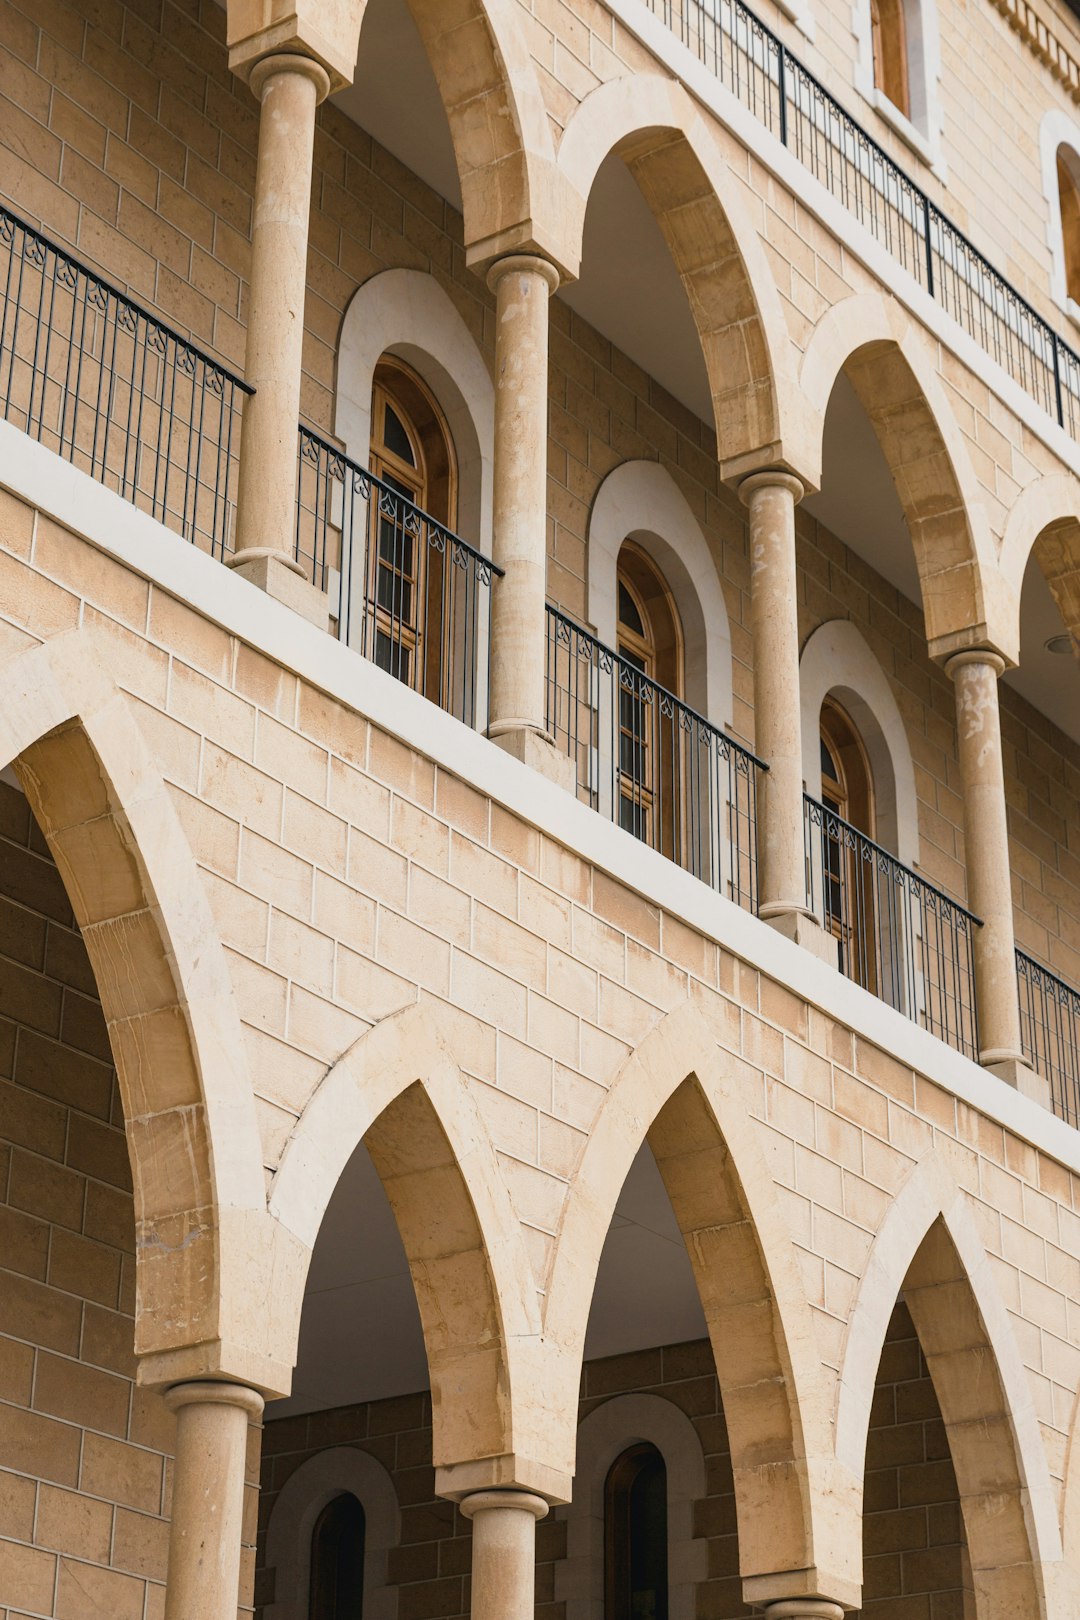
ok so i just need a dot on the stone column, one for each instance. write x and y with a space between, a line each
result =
289 88
771 498
504 1553
522 285
208 1498
986 849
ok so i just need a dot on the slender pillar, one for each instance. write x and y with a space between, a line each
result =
289 88
208 1498
986 848
522 286
504 1553
771 498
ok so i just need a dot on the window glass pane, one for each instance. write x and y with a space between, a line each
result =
628 613
396 438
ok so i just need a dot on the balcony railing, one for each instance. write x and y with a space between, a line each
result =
109 387
896 934
791 102
1050 1033
648 762
403 589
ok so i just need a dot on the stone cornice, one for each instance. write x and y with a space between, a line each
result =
1036 33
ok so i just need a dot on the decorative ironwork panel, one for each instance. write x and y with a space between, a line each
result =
106 385
1050 1033
650 763
403 589
896 934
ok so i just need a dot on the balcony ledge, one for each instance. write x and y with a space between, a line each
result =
107 522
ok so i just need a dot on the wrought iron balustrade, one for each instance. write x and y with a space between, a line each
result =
1050 1033
108 386
650 763
897 935
757 67
404 590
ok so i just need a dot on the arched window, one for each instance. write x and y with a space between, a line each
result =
408 577
636 1536
1068 169
649 643
849 878
888 31
337 1561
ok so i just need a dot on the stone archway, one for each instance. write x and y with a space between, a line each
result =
676 1093
400 1091
874 343
929 1248
173 1025
652 124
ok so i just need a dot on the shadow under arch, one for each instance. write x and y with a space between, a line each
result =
652 124
1044 521
675 1092
873 342
173 1025
510 187
929 1248
640 500
400 1091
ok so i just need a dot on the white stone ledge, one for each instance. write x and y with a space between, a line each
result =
109 523
842 224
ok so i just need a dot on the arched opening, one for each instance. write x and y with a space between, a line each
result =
915 1556
651 762
888 32
337 1561
636 1536
1068 184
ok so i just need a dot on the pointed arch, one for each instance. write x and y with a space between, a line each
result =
653 125
399 1090
165 992
929 1248
838 660
639 500
871 339
511 190
676 1092
1044 521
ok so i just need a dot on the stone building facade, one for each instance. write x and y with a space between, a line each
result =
539 914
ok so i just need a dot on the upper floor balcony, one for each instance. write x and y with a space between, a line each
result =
99 380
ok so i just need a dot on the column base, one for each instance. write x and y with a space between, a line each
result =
1028 1082
279 577
804 929
537 750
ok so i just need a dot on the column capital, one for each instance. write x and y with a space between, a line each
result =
486 1501
527 263
268 67
205 1392
771 478
811 1608
975 655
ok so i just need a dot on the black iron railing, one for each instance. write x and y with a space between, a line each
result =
762 73
1050 1032
896 934
109 387
403 589
648 762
